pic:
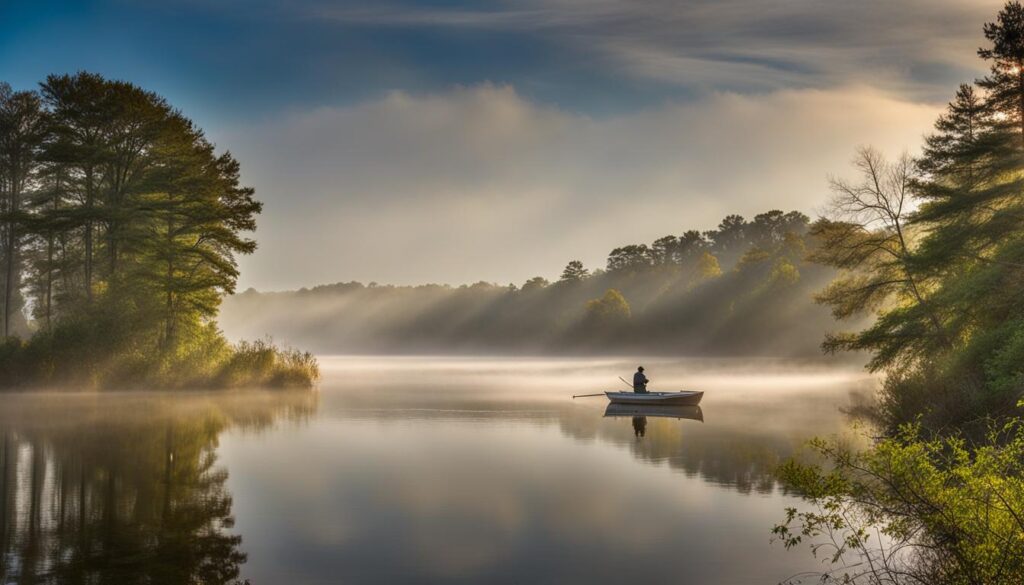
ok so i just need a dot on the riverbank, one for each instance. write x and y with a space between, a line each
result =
48 361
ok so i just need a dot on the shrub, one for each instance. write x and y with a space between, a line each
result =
261 363
74 355
914 509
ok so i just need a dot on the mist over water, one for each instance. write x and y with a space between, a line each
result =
418 470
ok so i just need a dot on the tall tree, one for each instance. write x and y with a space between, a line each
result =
953 177
138 118
868 239
950 152
729 241
574 272
664 249
195 220
117 175
22 123
629 257
536 283
972 216
689 247
1005 81
48 255
81 111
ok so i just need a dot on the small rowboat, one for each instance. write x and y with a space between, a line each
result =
652 398
679 412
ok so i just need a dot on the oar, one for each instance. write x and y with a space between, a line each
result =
625 382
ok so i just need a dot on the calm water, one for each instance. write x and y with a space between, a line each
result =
415 470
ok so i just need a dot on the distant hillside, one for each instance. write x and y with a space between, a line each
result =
743 289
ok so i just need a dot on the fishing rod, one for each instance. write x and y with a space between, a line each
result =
601 393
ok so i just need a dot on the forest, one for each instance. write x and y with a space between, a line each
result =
744 288
120 226
933 246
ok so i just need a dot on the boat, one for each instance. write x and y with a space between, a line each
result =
663 398
680 412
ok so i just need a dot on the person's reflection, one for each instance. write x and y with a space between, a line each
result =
639 426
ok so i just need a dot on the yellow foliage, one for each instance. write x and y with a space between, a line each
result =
708 266
611 306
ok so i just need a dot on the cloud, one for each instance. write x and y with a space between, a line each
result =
913 46
480 183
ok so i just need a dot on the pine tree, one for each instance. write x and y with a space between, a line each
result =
81 113
574 272
22 123
1005 81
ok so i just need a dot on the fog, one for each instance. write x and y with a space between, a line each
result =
744 289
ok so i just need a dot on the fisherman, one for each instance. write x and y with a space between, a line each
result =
640 381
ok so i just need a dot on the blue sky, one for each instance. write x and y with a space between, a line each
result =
234 60
497 118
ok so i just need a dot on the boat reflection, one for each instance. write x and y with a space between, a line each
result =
643 410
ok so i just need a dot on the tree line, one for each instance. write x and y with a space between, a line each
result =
120 225
743 288
933 246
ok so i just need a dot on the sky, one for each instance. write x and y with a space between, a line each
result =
453 141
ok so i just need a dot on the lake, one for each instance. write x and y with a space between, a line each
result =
417 470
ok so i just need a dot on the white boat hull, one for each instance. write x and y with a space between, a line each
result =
653 398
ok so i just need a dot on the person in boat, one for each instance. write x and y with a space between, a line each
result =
640 381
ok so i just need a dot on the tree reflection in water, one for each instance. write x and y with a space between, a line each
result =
119 488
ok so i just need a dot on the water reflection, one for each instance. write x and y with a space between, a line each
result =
761 415
487 471
410 471
639 426
638 414
643 411
119 488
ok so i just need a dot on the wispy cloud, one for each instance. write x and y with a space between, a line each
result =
913 46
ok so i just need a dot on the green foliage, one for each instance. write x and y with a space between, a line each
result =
629 258
869 241
534 284
1006 56
22 130
943 281
946 505
121 225
262 364
73 355
784 272
1004 370
914 509
574 272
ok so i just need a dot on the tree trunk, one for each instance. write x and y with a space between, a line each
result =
12 275
1020 99
169 324
88 231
